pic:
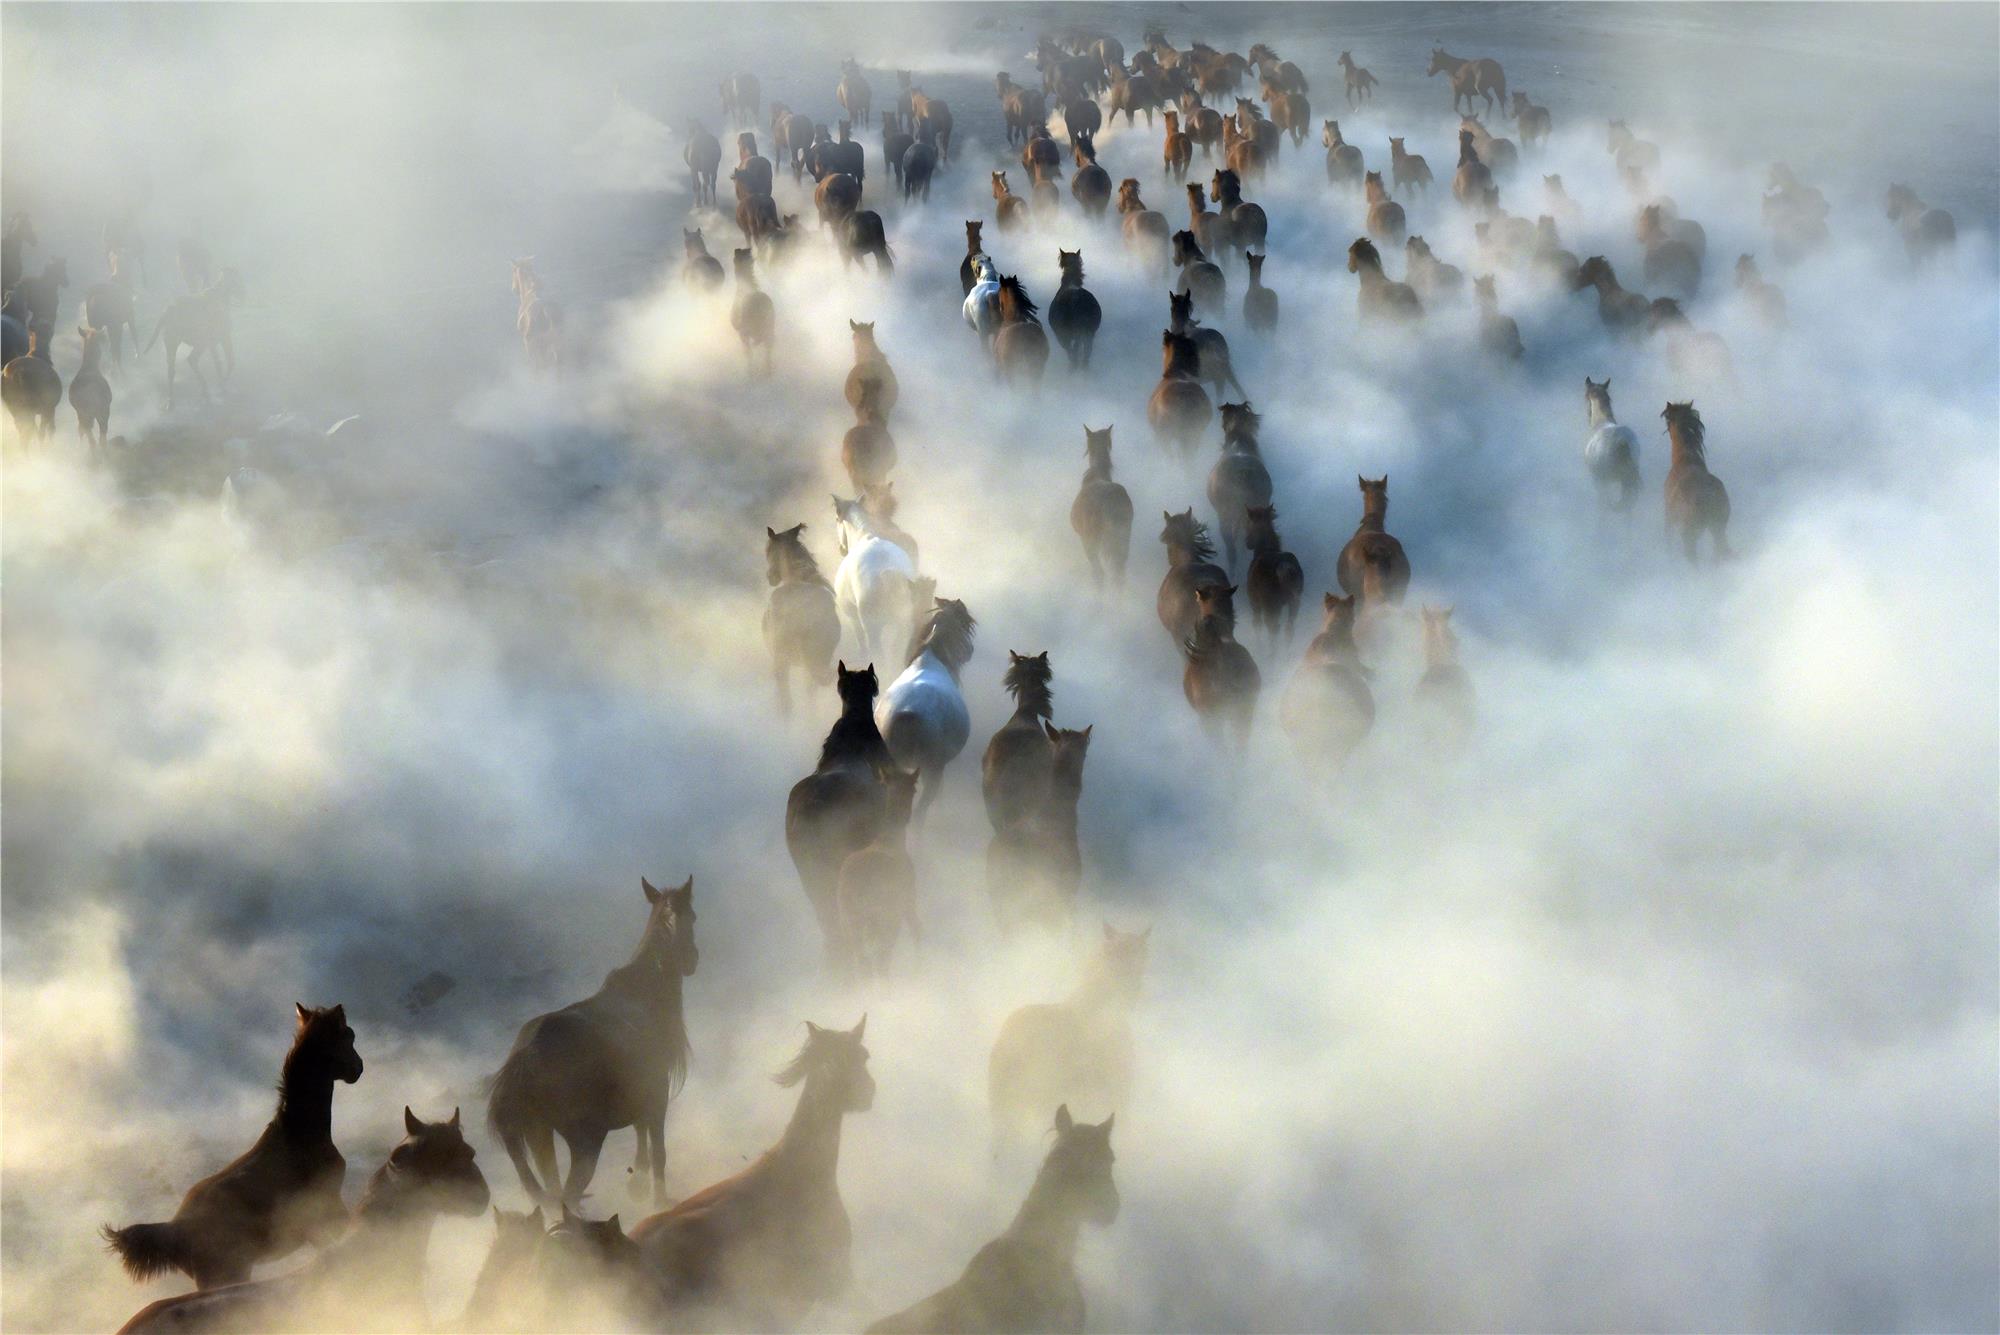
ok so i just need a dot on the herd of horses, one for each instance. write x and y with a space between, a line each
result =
768 1245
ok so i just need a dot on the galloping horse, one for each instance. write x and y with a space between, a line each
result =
1275 581
1470 79
922 714
1239 480
1189 570
1034 867
838 808
280 1194
1074 313
872 585
1021 347
1385 215
1101 514
1444 693
1360 83
1610 451
1014 770
1697 502
1372 563
1179 408
614 1059
1380 298
200 322
877 886
801 623
981 307
1221 679
1077 1050
1211 348
1343 160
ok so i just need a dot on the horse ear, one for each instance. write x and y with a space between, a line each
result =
453 1123
652 891
813 1030
410 1123
1231 590
770 532
1088 728
687 887
1106 1127
1049 729
1064 1122
304 1014
613 1224
860 1026
843 667
339 1013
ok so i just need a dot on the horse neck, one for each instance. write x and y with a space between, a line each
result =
1050 1218
1600 411
1181 554
1072 276
305 1099
1374 514
653 983
811 1143
1687 453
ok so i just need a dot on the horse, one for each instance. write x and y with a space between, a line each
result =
836 198
42 294
281 1193
1435 282
1623 312
588 1276
1796 213
1275 581
757 217
981 307
878 502
935 116
1291 111
1556 266
1473 179
1766 299
1080 112
862 236
801 624
1673 251
1611 451
1189 570
1327 708
1021 108
1635 157
32 390
1444 698
1200 277
853 92
975 250
868 451
1221 679
1407 169
1204 125
876 889
1211 348
1556 199
1260 303
1101 514
920 163
1380 299
200 322
1534 121
922 713
1021 346
698 267
373 1278
1044 197
1470 79
1078 1050
1178 150
1692 354
1343 160
505 1295
1497 153
703 156
1025 1279
1146 232
1131 92
1014 771
791 138
613 1060
896 140
1241 152
1074 314
1697 502
1091 184
740 98
773 1240
872 584
1273 69
1239 480
1372 563
1179 408
1040 150
1360 83
1928 233
1254 128
109 306
90 392
1499 335
839 807
1210 230
1034 867
14 341
870 367
1247 224
752 315
1009 209
1385 215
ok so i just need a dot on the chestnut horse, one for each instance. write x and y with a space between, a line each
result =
1221 679
1101 514
1385 215
1697 502
801 623
1179 409
1372 563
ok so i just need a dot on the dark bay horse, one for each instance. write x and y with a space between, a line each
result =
1022 345
1220 679
772 1241
1014 771
1471 79
1101 514
282 1193
838 807
1026 1278
1239 480
1275 582
612 1060
1697 502
373 1279
1034 867
877 885
1372 564
1074 313
801 623
1189 568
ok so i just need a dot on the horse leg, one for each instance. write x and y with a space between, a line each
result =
655 1130
585 1144
933 779
542 1145
517 1149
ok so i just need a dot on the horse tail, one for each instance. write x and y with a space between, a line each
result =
149 1249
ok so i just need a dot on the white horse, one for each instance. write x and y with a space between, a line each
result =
872 586
922 714
982 304
1612 451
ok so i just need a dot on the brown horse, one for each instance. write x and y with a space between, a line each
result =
1211 348
1200 277
870 366
1101 514
1444 693
1674 249
1014 771
1471 79
1221 679
703 156
1436 282
752 315
868 451
1766 299
1204 125
878 503
109 306
1327 709
1009 209
1189 569
1034 867
773 1240
1131 92
200 322
1497 153
1022 345
1260 303
1241 152
1380 299
1077 1050
1239 480
280 1194
32 390
1025 1279
1275 581
1179 409
1385 215
613 1060
1928 233
373 1278
1407 168
1178 151
90 392
505 1296
1372 563
1247 226
876 889
1473 179
1343 160
1533 120
698 267
853 93
1146 232
838 807
1360 84
1091 184
1211 230
974 248
1498 334
801 624
1697 502
1623 313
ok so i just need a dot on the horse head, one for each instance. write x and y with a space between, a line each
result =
325 1039
834 1066
1079 1166
669 936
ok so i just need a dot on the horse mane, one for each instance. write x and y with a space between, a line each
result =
1364 250
1193 534
1240 423
1685 426
804 562
1022 304
948 634
1027 680
801 1066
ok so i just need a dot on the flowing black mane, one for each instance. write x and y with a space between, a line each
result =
1186 531
948 634
1027 680
1022 305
